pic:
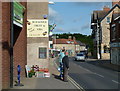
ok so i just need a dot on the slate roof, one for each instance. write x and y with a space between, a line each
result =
80 43
99 14
64 41
116 15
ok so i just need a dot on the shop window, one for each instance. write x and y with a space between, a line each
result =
106 49
42 53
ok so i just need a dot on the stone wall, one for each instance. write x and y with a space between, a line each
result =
36 10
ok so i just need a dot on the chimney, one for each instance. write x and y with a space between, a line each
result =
114 2
69 37
106 8
74 38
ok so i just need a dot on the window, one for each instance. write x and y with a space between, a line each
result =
108 19
68 42
113 32
42 53
106 49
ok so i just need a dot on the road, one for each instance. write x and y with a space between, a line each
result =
90 76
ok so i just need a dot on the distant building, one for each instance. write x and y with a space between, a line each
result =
115 37
82 45
71 45
101 31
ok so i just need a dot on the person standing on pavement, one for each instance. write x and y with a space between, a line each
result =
65 62
62 54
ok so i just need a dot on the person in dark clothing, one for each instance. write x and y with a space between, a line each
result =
65 62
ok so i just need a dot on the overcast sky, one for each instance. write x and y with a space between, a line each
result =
73 17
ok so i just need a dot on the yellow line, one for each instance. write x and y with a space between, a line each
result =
76 84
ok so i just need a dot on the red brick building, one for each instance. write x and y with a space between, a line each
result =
19 43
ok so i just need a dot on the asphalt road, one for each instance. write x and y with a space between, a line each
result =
90 76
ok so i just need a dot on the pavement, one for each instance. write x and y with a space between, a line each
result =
53 82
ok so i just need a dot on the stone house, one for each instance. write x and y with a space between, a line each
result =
82 46
95 26
115 37
68 44
101 31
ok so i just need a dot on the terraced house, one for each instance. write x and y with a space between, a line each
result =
100 25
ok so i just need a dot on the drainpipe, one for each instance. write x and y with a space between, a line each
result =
11 43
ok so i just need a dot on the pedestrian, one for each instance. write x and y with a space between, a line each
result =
65 62
61 55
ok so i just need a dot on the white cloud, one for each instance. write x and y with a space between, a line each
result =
59 30
54 17
86 26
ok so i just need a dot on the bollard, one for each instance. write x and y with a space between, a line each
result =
18 77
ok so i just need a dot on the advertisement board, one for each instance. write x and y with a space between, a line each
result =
37 28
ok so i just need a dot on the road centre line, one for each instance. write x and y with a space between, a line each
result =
91 71
85 69
115 81
75 84
99 75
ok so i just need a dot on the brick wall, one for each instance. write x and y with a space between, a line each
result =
5 45
20 45
0 46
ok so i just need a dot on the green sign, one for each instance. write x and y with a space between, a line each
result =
18 11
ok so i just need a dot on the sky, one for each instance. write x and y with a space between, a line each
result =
73 17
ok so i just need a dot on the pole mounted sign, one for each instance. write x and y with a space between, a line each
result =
18 12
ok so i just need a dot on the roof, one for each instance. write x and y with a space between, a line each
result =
110 11
116 16
64 41
101 14
80 43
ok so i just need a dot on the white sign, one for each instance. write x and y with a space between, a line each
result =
37 28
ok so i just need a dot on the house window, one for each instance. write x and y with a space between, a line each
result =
108 19
42 53
106 49
113 32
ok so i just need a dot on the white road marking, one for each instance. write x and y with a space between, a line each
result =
85 69
99 75
115 81
75 84
91 71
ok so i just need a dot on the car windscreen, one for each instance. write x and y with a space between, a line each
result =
79 54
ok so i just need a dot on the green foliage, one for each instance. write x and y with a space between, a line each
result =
83 38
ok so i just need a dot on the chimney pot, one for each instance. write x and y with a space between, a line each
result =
106 8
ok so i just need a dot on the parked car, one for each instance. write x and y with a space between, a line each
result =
80 56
